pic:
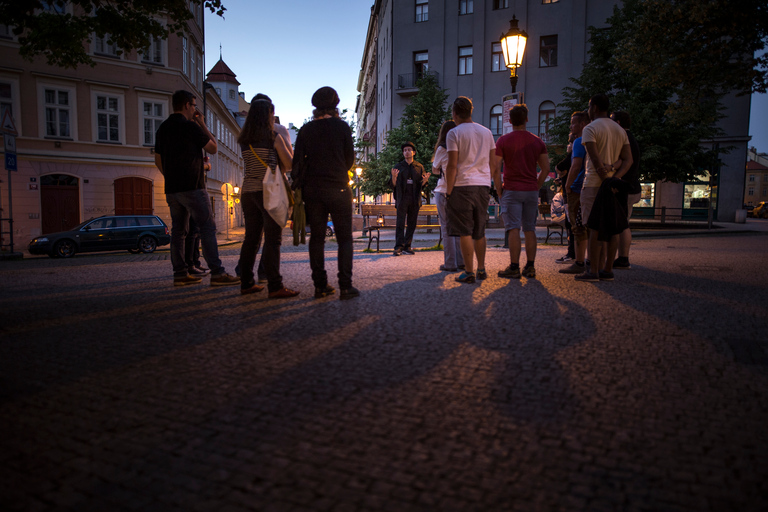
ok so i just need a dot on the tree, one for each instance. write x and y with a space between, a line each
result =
54 30
420 124
669 118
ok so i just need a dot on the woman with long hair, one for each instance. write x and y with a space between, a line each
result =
452 258
323 154
261 147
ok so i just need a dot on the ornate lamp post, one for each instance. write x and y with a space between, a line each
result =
358 172
513 48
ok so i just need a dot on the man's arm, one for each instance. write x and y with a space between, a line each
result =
450 171
576 163
626 161
600 168
159 163
211 147
495 162
544 164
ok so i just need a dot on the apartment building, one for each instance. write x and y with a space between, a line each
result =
459 41
756 182
85 140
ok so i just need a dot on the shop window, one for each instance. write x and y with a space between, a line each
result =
696 195
647 195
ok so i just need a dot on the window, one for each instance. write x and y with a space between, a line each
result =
765 191
231 94
153 115
199 75
107 118
184 55
154 53
466 7
6 99
54 6
103 46
500 4
751 178
548 52
751 191
422 10
420 63
497 58
57 110
192 66
496 121
546 119
465 60
218 91
6 32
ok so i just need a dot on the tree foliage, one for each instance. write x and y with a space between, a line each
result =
420 124
659 60
59 29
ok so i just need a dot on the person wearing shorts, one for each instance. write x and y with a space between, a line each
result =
468 177
520 151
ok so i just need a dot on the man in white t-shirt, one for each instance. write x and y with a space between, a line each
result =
468 180
607 144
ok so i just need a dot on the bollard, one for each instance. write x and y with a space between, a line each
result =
663 214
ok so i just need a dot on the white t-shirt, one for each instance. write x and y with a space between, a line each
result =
609 138
474 142
441 162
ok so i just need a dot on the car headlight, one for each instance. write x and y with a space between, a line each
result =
39 240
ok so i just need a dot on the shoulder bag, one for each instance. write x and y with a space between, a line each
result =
278 198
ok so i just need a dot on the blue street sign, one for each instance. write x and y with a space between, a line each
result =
10 162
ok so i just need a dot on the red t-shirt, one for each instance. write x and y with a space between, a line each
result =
520 150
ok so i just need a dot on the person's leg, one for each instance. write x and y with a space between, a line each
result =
402 214
254 223
179 227
512 215
530 246
340 207
595 251
610 249
199 207
468 252
515 246
449 243
530 211
317 219
479 248
412 219
270 254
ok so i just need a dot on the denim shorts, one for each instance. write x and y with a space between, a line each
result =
520 208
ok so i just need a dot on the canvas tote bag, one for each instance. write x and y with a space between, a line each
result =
277 200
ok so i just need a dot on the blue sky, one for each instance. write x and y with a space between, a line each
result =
288 50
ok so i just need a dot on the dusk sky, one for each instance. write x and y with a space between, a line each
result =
288 50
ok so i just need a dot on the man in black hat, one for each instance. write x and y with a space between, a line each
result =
408 177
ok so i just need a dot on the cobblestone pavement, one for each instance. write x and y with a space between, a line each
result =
120 392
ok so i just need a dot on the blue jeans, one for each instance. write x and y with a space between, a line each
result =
192 204
452 256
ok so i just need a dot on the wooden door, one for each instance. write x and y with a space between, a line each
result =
133 196
60 201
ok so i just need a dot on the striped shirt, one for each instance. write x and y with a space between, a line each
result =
254 170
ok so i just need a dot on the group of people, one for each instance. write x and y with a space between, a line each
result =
601 184
323 153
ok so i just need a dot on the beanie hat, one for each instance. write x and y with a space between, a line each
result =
406 144
325 98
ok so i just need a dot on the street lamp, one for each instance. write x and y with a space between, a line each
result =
358 172
513 48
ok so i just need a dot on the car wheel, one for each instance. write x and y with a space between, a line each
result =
147 244
328 231
64 249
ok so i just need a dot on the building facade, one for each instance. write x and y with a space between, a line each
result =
85 141
458 40
756 181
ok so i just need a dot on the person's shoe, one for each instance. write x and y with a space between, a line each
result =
574 268
201 268
398 251
564 259
349 293
186 280
605 276
408 250
324 291
622 264
481 274
283 293
254 288
466 277
224 280
194 271
529 271
510 273
587 277
447 269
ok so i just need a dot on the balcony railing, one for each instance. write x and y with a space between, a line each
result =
409 80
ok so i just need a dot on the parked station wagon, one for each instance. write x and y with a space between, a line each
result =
135 233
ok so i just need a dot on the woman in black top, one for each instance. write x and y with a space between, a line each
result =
260 145
323 155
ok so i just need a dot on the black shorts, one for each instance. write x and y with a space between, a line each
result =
468 211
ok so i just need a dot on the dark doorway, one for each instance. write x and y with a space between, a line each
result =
60 202
133 196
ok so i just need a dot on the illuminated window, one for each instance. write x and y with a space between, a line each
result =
497 58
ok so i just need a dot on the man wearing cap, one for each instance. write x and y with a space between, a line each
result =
408 178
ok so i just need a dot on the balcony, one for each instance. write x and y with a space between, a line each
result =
406 84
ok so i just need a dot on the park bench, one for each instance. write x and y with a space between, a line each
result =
553 228
384 216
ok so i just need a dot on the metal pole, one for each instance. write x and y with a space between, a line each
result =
10 211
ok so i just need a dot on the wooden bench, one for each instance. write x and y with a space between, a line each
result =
384 216
553 228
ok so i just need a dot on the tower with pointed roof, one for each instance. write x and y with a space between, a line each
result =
226 85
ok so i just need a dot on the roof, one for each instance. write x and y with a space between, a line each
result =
755 166
220 72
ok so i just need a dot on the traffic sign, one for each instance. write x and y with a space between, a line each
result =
10 162
9 141
7 125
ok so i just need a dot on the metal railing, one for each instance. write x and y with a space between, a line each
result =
408 81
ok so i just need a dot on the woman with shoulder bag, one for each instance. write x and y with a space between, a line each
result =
261 147
324 153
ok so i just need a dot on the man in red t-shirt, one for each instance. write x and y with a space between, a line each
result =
520 150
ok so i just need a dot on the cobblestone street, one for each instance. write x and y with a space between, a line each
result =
120 392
